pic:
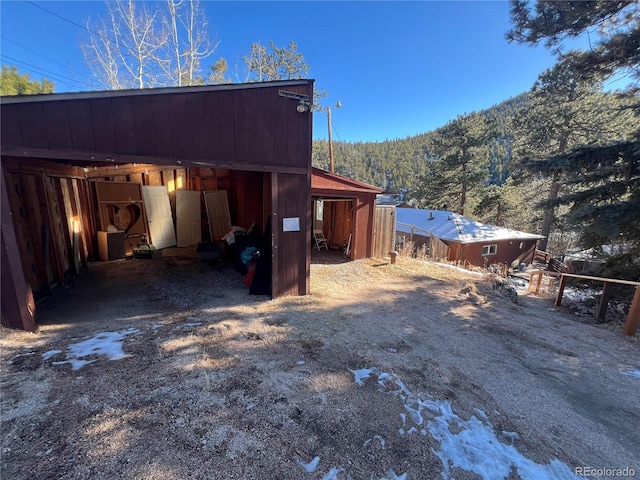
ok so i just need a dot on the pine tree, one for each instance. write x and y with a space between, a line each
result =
603 171
463 163
564 112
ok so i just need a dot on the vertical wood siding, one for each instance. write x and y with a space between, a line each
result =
230 128
293 248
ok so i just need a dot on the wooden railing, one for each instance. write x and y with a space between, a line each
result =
633 319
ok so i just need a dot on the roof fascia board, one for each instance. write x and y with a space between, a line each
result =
51 97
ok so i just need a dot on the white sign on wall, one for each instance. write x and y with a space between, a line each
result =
291 224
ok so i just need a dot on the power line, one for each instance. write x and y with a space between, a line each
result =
83 27
117 44
43 71
69 21
71 70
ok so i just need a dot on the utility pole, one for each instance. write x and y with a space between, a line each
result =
330 140
338 105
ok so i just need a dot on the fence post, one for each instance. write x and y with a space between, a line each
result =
633 319
563 281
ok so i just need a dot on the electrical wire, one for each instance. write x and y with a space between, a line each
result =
68 68
75 24
119 45
43 71
71 70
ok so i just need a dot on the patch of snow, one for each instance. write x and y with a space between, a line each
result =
107 343
460 269
519 283
632 373
50 353
75 363
362 374
333 474
191 324
300 362
391 475
475 447
311 466
580 295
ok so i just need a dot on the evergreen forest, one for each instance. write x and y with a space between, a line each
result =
561 160
499 186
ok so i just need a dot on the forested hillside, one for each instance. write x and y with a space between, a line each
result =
474 164
396 165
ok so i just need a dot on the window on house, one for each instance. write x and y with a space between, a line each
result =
489 249
319 210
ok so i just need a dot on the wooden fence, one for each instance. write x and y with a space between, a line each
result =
633 318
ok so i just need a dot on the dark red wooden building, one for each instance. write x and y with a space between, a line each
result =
344 209
251 140
456 238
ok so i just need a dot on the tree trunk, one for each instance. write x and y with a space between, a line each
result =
549 213
463 194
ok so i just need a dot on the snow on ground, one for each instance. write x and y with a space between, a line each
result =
311 466
519 283
50 353
106 343
632 373
333 474
460 269
475 447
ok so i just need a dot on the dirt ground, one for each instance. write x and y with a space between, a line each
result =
405 371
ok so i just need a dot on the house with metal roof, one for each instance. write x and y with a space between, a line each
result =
456 238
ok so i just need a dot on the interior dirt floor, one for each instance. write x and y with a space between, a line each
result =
406 371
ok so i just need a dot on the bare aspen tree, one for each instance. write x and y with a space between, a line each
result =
134 47
189 40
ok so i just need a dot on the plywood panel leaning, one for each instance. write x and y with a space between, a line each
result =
217 213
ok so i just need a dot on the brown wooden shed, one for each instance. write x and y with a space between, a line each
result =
345 211
250 140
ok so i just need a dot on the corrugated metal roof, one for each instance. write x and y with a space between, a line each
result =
454 227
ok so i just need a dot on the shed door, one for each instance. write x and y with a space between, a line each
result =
159 218
188 217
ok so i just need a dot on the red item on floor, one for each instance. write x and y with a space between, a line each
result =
248 278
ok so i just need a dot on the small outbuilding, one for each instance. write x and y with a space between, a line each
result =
344 209
456 238
75 165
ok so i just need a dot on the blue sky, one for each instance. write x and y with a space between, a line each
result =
398 68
